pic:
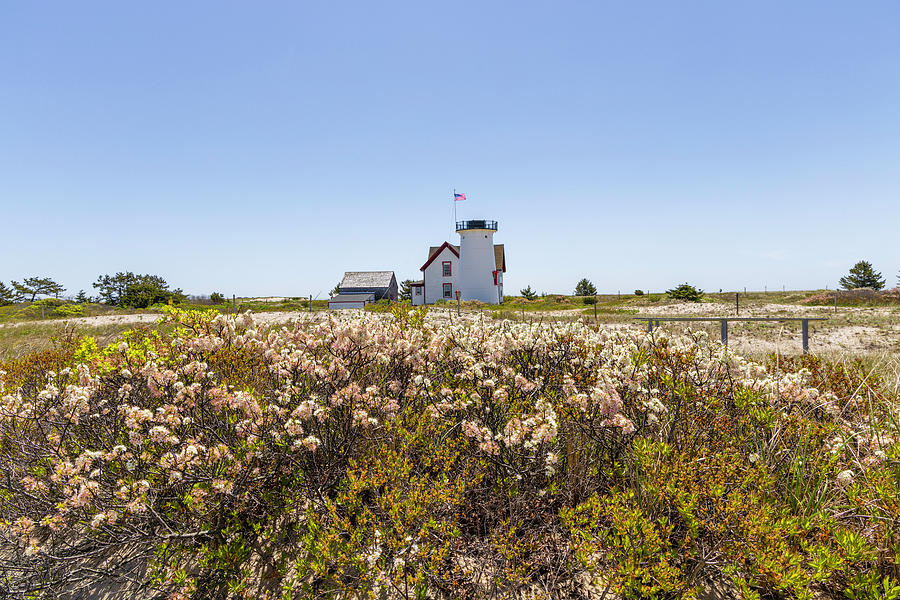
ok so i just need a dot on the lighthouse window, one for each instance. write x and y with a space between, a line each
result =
447 270
448 290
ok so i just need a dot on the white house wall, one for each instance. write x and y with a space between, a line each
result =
434 276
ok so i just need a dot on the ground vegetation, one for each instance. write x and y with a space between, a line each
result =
211 457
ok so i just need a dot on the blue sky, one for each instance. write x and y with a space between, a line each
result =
264 148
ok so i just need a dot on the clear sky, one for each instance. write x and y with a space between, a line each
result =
266 147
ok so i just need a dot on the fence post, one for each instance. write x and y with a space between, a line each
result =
805 327
737 304
725 331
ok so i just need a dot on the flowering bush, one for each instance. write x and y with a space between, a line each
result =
391 455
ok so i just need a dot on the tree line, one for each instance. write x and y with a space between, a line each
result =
125 289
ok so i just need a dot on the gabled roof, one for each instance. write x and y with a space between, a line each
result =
434 251
367 279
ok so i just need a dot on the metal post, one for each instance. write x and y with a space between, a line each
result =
725 331
737 304
649 325
310 303
805 325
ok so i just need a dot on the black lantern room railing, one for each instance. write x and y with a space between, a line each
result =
476 224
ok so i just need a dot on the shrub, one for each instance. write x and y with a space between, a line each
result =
69 310
638 292
686 292
528 293
385 455
217 298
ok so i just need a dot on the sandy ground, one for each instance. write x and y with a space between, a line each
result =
97 321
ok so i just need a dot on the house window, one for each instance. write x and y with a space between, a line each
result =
447 270
448 290
418 290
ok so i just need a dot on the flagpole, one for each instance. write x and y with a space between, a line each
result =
453 198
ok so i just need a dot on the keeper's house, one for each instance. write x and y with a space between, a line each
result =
359 288
474 269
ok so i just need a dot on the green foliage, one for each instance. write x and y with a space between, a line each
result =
638 292
217 298
81 297
585 288
528 293
7 295
406 290
685 292
136 291
862 275
31 287
385 457
69 310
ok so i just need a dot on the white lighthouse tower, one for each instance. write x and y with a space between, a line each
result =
479 276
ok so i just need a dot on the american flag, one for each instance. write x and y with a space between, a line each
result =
458 197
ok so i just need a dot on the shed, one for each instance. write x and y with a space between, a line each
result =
383 284
342 301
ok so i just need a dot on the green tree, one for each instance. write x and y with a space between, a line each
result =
7 294
686 292
585 288
136 291
34 286
112 287
81 297
862 275
217 298
406 290
528 293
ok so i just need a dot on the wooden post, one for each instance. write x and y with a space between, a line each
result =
805 327
310 303
725 331
835 301
595 307
737 304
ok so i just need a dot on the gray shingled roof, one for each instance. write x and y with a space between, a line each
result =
367 279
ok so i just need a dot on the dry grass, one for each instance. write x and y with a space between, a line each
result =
16 342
